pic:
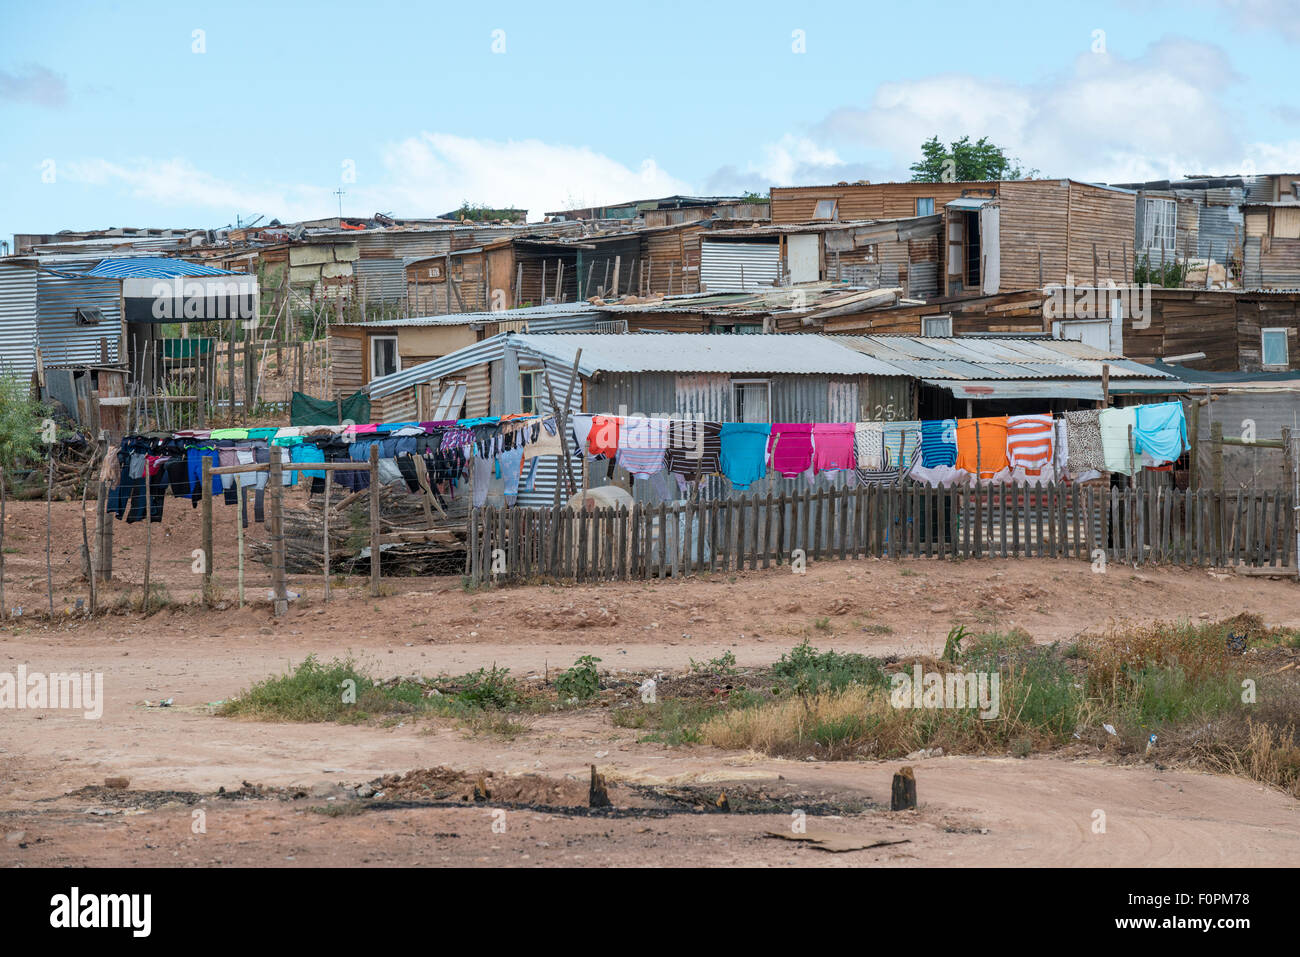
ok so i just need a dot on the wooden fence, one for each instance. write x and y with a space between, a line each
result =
1133 526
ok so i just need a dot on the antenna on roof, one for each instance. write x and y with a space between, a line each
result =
340 193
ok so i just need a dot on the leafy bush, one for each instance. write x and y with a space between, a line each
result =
580 682
805 670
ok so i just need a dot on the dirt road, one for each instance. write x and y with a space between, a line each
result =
991 811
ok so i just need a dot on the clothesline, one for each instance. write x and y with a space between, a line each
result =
1017 449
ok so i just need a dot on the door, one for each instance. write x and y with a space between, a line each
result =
803 257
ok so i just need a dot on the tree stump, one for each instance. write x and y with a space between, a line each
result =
903 795
598 795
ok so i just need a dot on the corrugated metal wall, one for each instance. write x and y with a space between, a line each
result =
62 341
379 279
733 266
17 320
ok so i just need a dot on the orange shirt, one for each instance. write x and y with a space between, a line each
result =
992 452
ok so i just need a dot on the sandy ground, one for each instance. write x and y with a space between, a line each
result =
987 811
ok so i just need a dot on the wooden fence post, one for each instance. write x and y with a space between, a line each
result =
280 597
148 535
325 545
205 500
374 518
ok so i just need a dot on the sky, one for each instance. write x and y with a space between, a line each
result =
205 115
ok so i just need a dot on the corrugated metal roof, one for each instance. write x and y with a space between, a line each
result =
702 352
989 357
1083 389
152 267
553 311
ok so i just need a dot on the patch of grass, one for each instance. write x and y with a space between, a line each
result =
674 721
485 688
822 624
804 670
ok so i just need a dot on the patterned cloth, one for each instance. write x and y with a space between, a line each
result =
1083 440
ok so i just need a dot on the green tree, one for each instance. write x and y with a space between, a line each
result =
20 424
963 161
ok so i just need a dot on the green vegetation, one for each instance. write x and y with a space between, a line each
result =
21 444
723 664
963 162
1172 275
581 682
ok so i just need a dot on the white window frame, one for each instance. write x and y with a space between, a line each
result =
1164 224
397 356
924 199
1286 348
735 394
925 326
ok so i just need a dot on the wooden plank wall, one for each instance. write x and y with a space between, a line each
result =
796 204
347 360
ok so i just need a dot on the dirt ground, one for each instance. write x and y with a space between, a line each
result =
285 802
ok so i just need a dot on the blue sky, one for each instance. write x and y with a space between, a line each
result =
112 117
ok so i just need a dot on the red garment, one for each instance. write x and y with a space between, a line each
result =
603 438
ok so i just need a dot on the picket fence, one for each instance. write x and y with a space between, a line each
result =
1133 526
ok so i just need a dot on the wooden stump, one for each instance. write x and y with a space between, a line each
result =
598 795
903 795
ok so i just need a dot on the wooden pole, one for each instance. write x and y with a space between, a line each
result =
374 520
902 796
239 536
148 534
205 504
4 611
280 597
329 489
49 535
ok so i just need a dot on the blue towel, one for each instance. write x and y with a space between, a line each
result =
1161 431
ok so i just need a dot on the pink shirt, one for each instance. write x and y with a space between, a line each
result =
833 443
790 448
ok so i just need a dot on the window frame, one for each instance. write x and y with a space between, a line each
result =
535 395
1168 225
397 356
923 199
1286 347
925 320
834 211
735 393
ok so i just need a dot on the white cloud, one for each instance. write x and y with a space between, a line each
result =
1272 16
439 171
1105 118
418 177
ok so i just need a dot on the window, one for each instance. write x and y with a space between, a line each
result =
87 316
826 209
1273 347
1159 225
752 400
936 326
530 391
383 356
925 206
450 401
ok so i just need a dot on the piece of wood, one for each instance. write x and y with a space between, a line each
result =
239 537
205 506
598 792
325 521
375 559
902 796
275 483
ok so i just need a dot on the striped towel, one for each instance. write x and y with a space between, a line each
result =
869 445
1029 442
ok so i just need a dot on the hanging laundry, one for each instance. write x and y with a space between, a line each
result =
1116 426
1083 438
833 447
982 446
1030 444
743 452
939 443
869 446
511 464
603 439
1161 431
790 448
694 447
547 442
